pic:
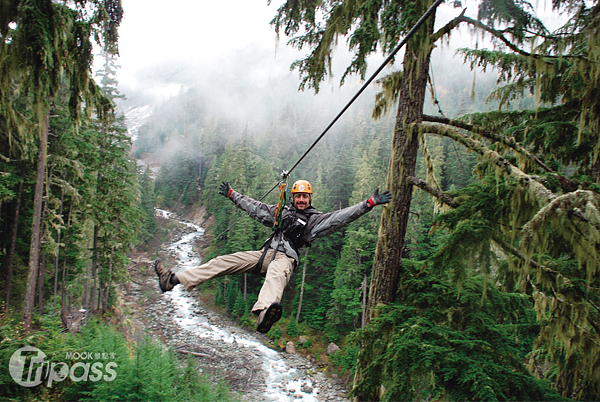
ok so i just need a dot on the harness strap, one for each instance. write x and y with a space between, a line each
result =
256 270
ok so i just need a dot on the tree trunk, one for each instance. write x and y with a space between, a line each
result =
42 266
363 320
245 286
596 170
302 286
57 260
387 264
34 249
40 284
86 290
65 272
10 258
108 283
94 291
92 304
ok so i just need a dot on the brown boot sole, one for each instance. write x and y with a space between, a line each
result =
272 315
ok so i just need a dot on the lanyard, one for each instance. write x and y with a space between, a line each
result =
282 199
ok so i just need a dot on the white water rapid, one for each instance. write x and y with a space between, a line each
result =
283 383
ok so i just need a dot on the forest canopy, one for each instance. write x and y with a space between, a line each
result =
480 279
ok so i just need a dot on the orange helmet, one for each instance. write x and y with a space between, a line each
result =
302 186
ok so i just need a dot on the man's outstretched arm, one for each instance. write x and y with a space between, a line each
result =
325 224
260 211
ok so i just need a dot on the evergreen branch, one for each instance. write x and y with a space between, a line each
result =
510 249
499 35
566 316
439 194
568 202
507 247
537 189
448 27
449 200
541 193
510 142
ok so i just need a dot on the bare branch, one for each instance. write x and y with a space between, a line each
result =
448 27
509 142
439 194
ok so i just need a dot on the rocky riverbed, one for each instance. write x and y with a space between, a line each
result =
245 359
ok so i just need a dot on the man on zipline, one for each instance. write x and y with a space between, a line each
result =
300 225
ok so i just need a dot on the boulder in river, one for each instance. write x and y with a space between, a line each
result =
290 348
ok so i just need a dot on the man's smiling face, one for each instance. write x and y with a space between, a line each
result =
301 201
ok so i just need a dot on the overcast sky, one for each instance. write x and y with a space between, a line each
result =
153 32
159 36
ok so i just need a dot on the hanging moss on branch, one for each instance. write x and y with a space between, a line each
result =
557 224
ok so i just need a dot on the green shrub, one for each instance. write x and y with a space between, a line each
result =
291 328
346 358
275 333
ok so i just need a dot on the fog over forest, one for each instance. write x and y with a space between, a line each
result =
252 85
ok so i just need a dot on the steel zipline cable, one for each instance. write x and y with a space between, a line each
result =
368 82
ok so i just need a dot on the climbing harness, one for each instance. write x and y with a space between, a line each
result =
283 179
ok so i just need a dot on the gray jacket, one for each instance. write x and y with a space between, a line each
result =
312 224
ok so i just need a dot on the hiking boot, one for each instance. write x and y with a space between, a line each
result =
268 317
164 276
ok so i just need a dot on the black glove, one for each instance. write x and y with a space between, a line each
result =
226 189
378 199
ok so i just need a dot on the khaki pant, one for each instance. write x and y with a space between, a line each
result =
277 273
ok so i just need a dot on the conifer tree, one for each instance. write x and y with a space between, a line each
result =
41 41
147 199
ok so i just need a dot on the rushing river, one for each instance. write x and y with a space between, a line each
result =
283 383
